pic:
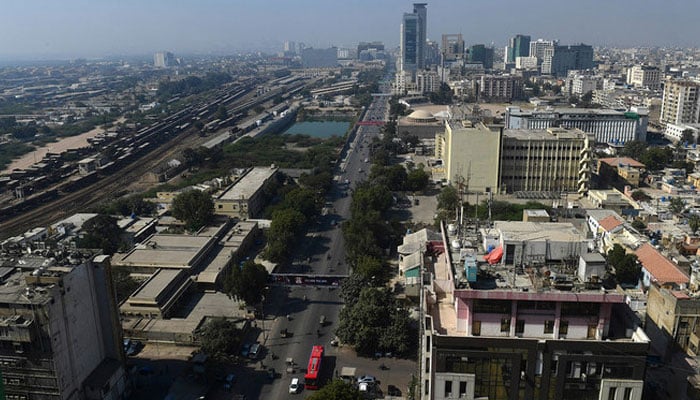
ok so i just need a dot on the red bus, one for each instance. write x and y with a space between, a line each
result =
311 379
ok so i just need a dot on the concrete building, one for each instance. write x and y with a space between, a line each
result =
369 48
559 60
470 154
526 62
644 76
413 39
163 59
612 169
525 332
552 160
319 58
674 132
483 159
452 47
59 328
606 125
419 123
681 102
578 84
539 47
500 87
427 81
245 198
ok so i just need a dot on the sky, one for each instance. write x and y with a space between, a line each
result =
50 29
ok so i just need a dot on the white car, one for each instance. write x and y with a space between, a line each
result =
295 386
367 379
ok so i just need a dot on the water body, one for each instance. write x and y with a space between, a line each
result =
319 129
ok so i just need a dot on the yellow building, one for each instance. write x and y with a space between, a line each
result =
244 199
470 154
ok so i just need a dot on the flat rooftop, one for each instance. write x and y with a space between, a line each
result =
166 251
246 187
543 134
533 231
155 285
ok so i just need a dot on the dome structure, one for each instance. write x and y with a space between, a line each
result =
421 116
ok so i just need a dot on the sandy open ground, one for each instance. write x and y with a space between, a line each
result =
72 142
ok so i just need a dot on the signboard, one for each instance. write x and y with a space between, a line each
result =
307 279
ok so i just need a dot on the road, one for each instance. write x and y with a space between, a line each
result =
323 253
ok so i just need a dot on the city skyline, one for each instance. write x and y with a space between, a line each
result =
81 28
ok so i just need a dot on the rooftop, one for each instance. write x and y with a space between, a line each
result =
246 187
659 267
542 134
617 161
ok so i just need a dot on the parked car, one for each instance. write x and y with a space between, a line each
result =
294 386
367 379
271 373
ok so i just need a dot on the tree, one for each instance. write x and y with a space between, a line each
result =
375 322
627 269
337 390
101 232
656 158
676 205
219 338
417 180
221 113
694 223
352 286
634 148
195 208
639 225
448 199
640 195
247 282
124 284
371 269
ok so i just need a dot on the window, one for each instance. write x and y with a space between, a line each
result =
563 327
476 328
462 389
611 393
427 365
549 326
628 394
448 388
520 326
505 325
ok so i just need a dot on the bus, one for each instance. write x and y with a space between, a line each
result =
311 378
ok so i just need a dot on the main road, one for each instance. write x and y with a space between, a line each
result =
299 309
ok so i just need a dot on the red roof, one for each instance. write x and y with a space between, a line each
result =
659 267
615 161
609 223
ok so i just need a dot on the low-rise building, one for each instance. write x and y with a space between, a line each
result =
245 198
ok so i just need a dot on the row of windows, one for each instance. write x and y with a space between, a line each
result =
520 327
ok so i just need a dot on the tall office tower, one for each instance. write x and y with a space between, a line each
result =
539 47
480 53
413 37
60 336
290 47
681 102
518 46
562 59
432 53
452 47
163 59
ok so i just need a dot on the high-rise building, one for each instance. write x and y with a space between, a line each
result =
539 47
290 47
479 53
452 47
559 60
500 87
371 47
60 336
518 46
163 59
681 102
413 38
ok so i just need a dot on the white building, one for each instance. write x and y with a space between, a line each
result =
606 125
644 76
526 62
681 102
674 132
427 81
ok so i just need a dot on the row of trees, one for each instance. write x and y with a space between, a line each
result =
396 177
372 319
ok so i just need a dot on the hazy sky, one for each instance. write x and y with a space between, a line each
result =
95 28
